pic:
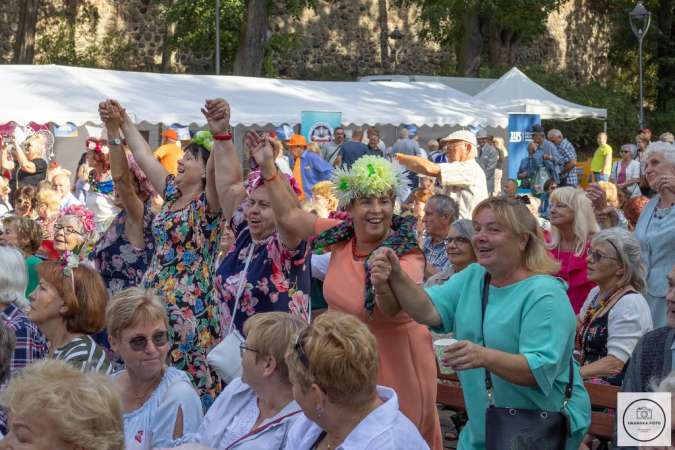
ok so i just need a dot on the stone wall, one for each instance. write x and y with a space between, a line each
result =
341 40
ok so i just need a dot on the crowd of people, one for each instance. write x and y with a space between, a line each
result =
169 299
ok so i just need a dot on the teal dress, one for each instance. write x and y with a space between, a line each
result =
533 318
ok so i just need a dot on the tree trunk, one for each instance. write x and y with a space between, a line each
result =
496 47
471 44
515 39
24 47
664 55
252 40
167 53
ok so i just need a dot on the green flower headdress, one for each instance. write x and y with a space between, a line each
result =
370 175
203 138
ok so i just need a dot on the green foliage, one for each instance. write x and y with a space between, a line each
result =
282 44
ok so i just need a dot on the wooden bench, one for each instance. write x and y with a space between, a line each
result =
602 424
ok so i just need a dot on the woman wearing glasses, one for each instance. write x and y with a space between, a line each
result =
256 411
68 307
459 249
25 202
573 224
74 230
160 404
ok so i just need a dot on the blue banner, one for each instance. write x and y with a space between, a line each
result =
67 130
520 135
284 132
182 131
319 126
412 129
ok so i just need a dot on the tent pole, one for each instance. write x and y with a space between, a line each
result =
605 126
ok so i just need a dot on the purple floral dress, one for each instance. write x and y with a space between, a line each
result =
277 278
180 271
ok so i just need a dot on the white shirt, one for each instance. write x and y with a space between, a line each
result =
283 165
320 266
68 200
383 429
629 319
465 183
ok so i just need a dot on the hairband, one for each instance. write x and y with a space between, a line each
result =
72 261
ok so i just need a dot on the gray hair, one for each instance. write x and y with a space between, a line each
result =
7 344
629 253
464 228
667 137
555 133
404 133
633 149
75 222
667 149
13 277
666 385
433 142
445 204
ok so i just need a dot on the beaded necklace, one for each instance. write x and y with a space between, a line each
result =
661 216
591 313
359 256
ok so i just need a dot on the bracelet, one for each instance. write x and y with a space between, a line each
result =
399 157
273 176
222 137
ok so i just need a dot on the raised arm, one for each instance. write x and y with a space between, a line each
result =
6 163
119 167
287 212
228 176
140 148
24 164
418 164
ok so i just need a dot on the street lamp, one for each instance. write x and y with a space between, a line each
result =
396 35
639 22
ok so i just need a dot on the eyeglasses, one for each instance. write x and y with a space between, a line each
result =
67 230
21 203
597 256
298 349
457 241
451 146
139 343
625 151
243 348
552 188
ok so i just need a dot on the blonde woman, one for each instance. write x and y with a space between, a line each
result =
47 209
314 148
573 224
498 143
322 194
28 166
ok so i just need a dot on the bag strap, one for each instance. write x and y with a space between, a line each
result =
242 282
337 149
488 377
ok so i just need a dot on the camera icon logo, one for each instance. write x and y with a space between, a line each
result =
644 413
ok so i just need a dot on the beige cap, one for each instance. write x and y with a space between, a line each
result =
462 135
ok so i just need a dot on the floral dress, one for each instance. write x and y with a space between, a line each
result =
277 278
180 271
121 265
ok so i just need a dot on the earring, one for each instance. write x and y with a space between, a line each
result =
319 411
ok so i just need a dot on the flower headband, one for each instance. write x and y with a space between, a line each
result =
72 261
203 138
370 175
99 147
85 216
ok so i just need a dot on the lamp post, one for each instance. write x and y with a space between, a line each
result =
396 35
639 22
217 37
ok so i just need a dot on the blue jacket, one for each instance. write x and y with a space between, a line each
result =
313 168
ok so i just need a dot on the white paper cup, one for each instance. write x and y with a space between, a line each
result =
439 348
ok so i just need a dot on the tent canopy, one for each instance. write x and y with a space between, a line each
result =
63 94
516 93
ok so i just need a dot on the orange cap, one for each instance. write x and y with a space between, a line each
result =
171 134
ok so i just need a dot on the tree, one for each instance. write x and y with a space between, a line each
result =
465 24
24 47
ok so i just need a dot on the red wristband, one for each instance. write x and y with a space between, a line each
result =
272 177
222 137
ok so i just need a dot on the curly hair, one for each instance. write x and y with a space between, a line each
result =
27 229
82 410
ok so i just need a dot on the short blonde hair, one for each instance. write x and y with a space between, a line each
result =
26 228
325 189
584 225
313 208
343 359
512 213
314 148
610 191
271 334
643 137
50 197
130 305
82 409
38 143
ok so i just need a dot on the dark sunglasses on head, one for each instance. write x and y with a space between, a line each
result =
139 343
298 349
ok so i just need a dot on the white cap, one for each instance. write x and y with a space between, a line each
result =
462 135
481 134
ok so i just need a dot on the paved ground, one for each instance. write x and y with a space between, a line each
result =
446 425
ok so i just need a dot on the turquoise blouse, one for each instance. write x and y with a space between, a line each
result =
533 318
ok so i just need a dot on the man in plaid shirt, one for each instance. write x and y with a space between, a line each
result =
568 173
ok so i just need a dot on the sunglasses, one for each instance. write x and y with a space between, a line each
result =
458 241
298 349
139 343
21 203
597 256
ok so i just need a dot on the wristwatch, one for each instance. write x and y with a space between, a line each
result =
116 141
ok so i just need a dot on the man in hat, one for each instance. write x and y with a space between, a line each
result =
169 152
488 159
461 177
309 168
542 153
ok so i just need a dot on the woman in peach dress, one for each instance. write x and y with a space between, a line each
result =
368 191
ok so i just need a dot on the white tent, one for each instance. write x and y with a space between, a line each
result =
516 93
68 94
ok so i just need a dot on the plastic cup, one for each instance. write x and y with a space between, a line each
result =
439 347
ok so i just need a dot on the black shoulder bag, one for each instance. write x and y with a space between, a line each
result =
519 429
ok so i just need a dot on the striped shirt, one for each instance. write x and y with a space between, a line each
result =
85 355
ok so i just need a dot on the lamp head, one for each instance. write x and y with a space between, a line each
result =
639 20
396 34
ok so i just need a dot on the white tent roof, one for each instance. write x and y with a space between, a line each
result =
516 93
70 94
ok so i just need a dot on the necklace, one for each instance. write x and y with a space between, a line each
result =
358 256
136 396
661 216
591 313
569 262
261 241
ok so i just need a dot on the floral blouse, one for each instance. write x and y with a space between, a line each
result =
277 279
